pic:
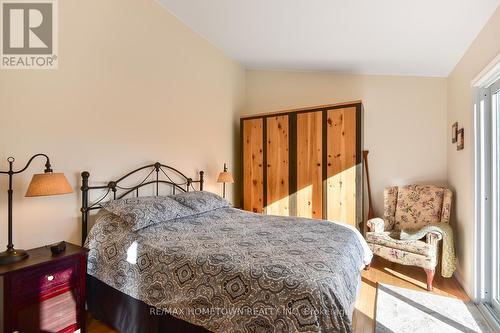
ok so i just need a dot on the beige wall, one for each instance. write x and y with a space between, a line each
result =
404 118
140 86
461 163
134 85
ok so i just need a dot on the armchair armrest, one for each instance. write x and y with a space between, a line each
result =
376 225
433 238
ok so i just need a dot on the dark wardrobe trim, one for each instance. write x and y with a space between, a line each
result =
324 158
264 163
284 113
359 134
241 172
292 164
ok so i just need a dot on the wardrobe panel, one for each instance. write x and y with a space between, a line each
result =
341 165
277 154
253 161
309 194
305 163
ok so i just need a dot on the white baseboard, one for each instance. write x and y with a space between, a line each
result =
459 277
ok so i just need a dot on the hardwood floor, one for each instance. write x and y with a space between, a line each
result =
409 277
381 271
95 326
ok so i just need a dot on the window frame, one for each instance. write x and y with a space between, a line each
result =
487 195
495 226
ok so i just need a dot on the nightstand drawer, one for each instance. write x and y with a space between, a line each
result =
46 279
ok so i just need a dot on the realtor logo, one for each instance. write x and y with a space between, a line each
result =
29 34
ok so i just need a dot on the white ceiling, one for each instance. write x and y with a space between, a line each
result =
393 37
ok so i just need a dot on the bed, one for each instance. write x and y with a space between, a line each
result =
196 264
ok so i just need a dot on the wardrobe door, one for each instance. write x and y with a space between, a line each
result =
253 161
309 194
341 165
277 157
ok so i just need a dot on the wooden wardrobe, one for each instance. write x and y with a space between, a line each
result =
304 162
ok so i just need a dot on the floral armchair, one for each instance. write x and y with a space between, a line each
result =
410 207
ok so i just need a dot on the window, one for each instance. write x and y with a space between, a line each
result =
487 157
495 229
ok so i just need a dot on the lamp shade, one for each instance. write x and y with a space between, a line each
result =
225 177
48 184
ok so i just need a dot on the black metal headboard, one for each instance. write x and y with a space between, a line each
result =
154 177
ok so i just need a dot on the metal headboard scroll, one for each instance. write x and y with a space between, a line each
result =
157 171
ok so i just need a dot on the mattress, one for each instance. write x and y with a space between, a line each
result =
228 270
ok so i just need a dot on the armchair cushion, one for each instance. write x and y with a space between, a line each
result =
418 206
391 240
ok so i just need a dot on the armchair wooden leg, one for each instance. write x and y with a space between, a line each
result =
430 277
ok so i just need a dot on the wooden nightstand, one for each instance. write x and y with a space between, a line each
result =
45 292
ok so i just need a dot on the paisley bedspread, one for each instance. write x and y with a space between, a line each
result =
233 271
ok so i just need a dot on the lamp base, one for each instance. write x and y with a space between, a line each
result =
12 256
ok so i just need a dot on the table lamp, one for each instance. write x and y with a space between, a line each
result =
225 177
47 183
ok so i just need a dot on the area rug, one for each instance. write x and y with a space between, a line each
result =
400 310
